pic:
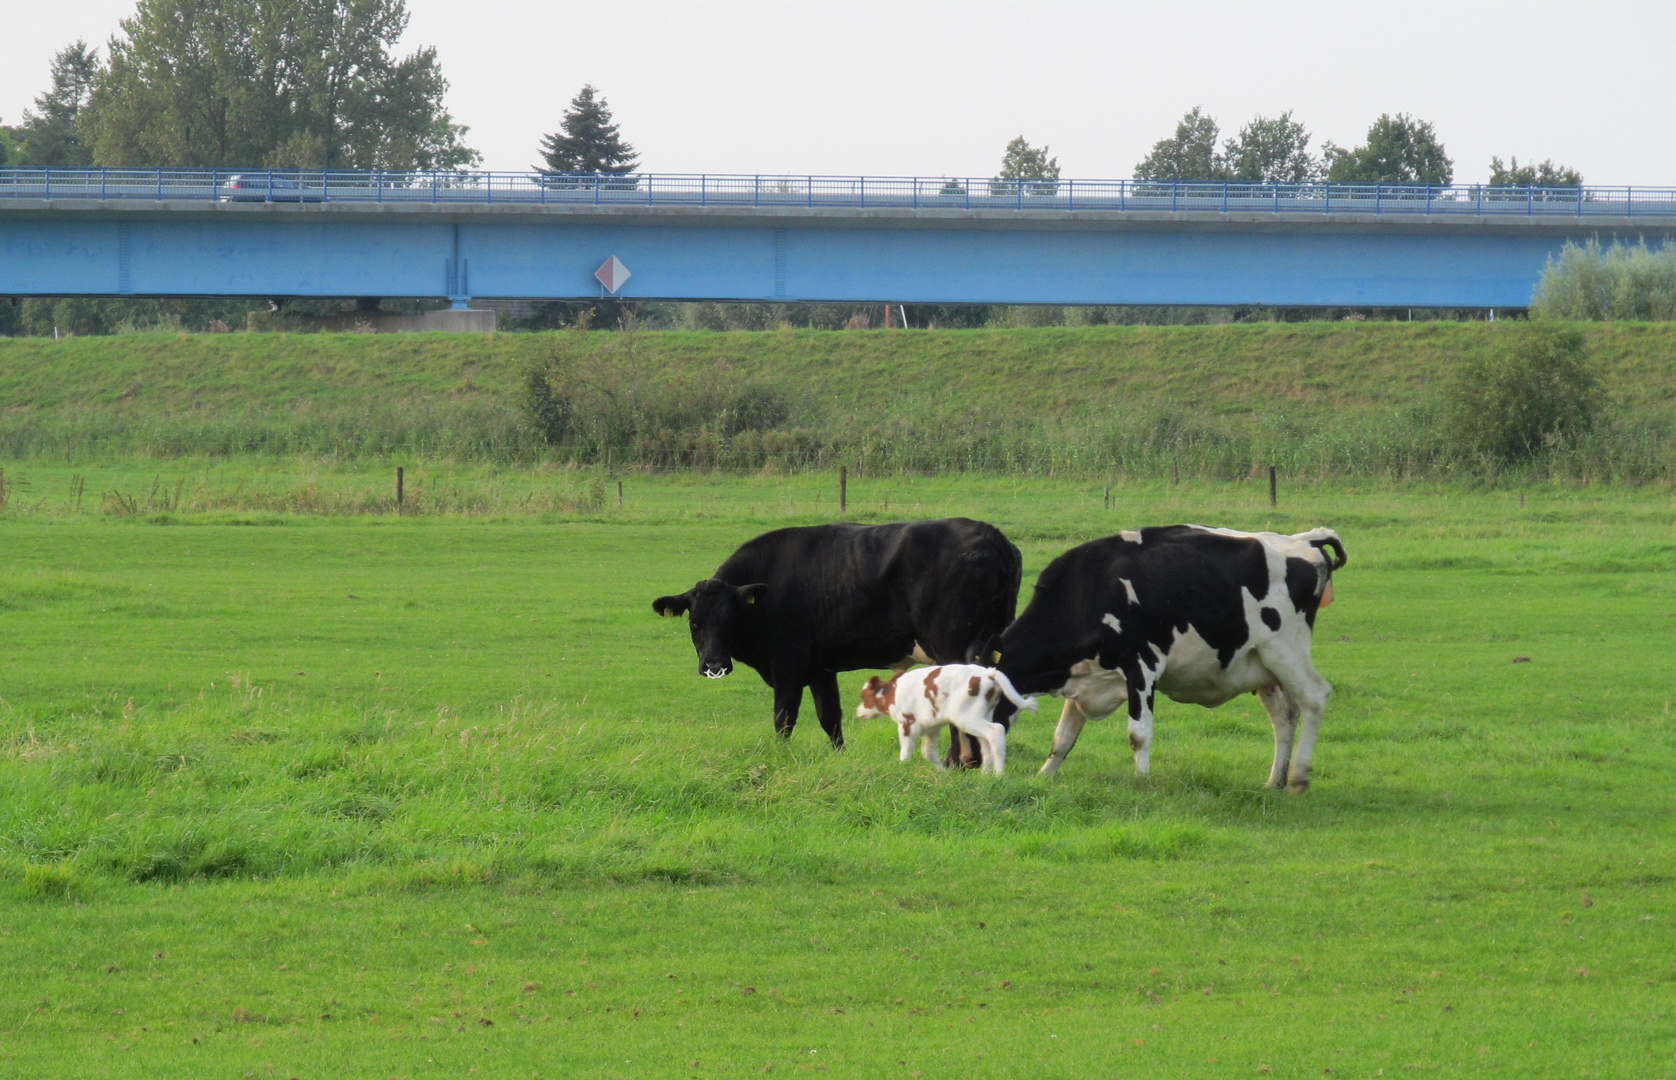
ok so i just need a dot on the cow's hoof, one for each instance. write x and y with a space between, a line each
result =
1298 787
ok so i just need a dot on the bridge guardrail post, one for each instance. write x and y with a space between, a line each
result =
1428 200
1629 196
1224 196
102 185
1378 197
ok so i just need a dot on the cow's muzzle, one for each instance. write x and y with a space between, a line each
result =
712 670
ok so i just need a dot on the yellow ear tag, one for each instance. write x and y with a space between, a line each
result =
666 613
750 599
997 655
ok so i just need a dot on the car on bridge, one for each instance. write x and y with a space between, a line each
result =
273 187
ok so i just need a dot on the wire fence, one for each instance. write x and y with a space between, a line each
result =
764 191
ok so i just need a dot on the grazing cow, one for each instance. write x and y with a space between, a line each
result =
801 604
962 696
1201 614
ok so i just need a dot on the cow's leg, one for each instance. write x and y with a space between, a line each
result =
1071 720
1141 681
965 752
823 687
1283 716
788 699
1305 686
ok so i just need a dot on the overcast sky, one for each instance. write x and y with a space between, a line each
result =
938 88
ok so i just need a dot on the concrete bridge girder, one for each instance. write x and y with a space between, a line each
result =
783 254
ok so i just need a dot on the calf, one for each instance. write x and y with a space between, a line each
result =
962 696
1201 614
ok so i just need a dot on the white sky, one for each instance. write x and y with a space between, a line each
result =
904 87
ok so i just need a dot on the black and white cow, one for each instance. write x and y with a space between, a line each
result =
802 604
1201 614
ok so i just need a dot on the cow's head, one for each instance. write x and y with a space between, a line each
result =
877 696
716 613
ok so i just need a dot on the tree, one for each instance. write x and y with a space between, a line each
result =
277 83
1398 150
50 134
1021 161
1189 155
587 140
1272 152
1546 174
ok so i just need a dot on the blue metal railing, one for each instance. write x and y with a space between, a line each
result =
921 193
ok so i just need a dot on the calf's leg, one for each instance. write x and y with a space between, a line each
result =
996 741
823 687
1283 717
1071 720
928 748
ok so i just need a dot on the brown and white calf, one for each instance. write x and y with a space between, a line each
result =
962 696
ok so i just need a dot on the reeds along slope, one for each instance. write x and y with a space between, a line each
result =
1317 399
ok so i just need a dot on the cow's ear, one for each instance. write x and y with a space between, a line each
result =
750 594
671 606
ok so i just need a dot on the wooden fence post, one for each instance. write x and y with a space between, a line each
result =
400 493
843 488
1271 486
1108 496
619 494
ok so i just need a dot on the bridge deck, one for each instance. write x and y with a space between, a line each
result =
213 232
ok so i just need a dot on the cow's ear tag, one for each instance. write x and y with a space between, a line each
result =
750 599
997 656
666 613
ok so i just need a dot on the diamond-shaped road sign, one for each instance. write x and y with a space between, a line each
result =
612 274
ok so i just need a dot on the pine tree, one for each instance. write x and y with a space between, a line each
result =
50 132
587 141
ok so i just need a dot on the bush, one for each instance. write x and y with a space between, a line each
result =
549 411
1540 392
1621 281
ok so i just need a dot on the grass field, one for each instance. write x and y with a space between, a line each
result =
319 796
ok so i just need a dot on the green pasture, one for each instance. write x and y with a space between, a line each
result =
296 787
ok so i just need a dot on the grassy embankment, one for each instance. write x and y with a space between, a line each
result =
1338 399
415 798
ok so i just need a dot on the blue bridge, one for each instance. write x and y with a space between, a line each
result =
456 235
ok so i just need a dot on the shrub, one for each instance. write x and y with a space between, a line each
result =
1539 392
1620 281
549 411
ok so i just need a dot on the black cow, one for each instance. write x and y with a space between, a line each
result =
801 604
1201 614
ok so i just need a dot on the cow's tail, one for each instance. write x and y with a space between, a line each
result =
1323 539
1012 695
